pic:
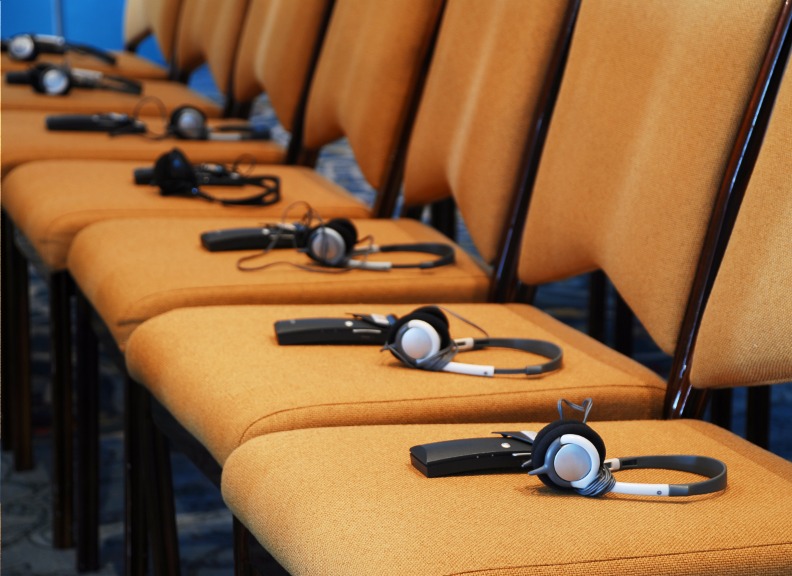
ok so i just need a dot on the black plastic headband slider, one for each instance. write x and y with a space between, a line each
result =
534 370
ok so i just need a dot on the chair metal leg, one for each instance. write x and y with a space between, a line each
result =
623 327
596 305
6 427
443 217
16 360
721 408
135 533
757 421
87 384
62 419
241 550
161 508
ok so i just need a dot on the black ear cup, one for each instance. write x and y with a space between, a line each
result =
174 174
188 123
433 311
50 79
332 243
546 441
419 335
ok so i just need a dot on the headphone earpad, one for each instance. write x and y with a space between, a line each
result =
50 79
174 174
433 311
554 431
332 243
438 324
188 123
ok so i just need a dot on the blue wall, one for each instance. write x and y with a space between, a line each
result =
19 16
96 22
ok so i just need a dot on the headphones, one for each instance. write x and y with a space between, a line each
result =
54 80
188 123
176 176
569 455
421 340
332 244
27 47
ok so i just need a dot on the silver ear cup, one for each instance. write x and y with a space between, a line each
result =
419 340
55 81
21 47
328 246
571 462
191 124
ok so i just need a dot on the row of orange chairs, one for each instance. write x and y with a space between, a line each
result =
571 135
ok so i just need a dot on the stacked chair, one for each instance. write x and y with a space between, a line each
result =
142 19
32 193
568 142
225 381
334 109
32 201
205 35
505 150
347 501
236 79
31 197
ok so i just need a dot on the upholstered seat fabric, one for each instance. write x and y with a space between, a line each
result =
27 130
131 270
347 501
230 381
82 101
51 201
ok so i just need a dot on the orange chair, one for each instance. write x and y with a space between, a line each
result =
347 500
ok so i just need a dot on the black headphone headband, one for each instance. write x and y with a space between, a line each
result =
421 340
332 244
570 455
444 252
190 123
27 47
539 347
714 470
57 80
442 361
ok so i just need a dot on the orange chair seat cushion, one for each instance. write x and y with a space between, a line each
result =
87 101
51 201
347 501
221 373
133 270
127 64
28 139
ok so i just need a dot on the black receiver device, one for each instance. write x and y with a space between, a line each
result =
357 329
264 237
109 122
508 452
